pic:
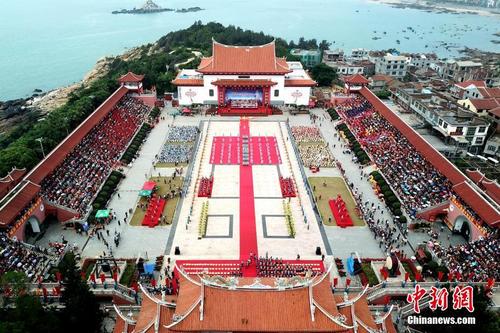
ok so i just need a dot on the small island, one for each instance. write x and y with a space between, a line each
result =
150 8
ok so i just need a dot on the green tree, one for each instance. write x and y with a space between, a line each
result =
383 94
14 281
81 312
324 45
324 74
28 315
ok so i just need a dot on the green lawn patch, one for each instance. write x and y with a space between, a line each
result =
334 186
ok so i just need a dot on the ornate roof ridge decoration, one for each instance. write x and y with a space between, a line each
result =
126 319
381 319
368 328
177 318
273 43
323 276
231 283
154 299
353 300
339 319
186 276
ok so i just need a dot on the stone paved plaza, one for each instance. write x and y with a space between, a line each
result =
222 239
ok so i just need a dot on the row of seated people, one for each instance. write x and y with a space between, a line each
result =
287 187
182 133
77 179
306 134
243 103
271 267
206 185
17 256
475 261
416 180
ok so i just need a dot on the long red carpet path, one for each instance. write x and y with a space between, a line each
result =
229 150
248 230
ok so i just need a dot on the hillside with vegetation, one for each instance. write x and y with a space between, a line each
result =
157 61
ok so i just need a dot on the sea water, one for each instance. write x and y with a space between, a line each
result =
46 44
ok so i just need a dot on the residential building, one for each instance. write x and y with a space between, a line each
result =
346 68
420 60
467 89
480 106
309 58
393 65
333 55
463 70
380 82
492 147
459 128
359 54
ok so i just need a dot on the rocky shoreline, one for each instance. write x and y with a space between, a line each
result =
438 8
40 103
157 10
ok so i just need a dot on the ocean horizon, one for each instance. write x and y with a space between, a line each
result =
54 43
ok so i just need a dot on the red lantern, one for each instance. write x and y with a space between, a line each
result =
153 282
440 276
92 277
335 282
135 287
407 276
450 276
83 275
102 277
347 282
115 276
58 276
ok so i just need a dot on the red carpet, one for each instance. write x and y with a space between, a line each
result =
340 212
226 150
248 230
155 209
264 150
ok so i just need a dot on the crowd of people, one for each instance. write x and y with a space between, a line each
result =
306 134
474 261
273 267
385 232
182 133
175 153
17 256
179 145
75 182
417 182
316 155
313 150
